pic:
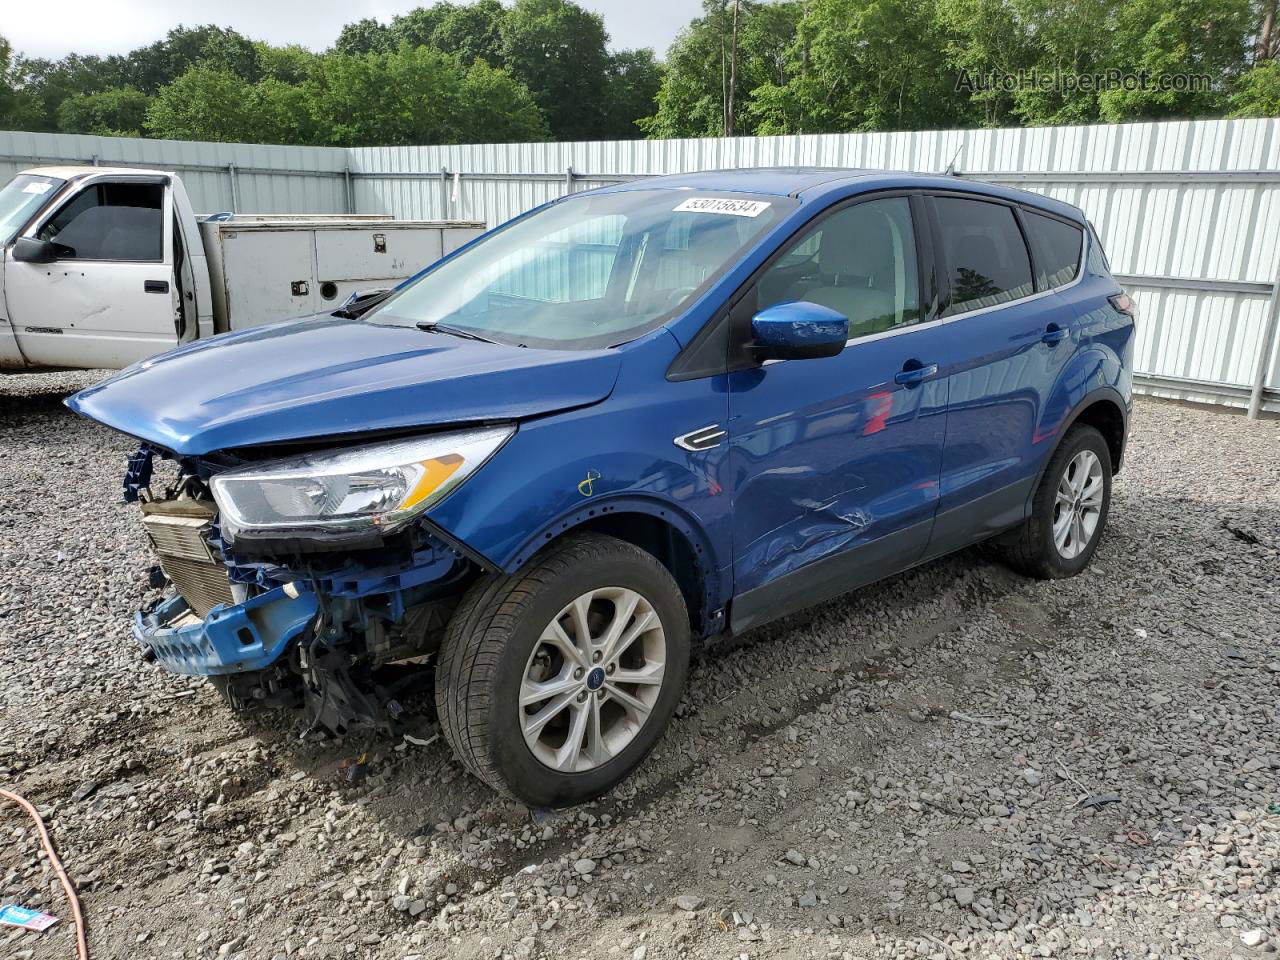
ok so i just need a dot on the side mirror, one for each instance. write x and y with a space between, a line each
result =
798 330
31 250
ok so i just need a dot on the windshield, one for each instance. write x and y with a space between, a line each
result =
21 197
591 271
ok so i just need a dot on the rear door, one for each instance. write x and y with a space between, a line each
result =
1009 337
109 298
835 461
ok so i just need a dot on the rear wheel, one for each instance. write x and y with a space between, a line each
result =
555 683
1069 511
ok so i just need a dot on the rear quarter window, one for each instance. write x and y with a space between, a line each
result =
1058 247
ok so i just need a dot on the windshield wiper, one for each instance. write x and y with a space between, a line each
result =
434 326
362 305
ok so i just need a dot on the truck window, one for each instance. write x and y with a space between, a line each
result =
21 198
110 221
985 253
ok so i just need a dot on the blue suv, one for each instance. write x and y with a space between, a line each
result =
627 420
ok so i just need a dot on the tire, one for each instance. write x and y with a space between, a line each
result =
496 649
1033 548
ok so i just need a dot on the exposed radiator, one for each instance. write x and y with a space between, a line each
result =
178 532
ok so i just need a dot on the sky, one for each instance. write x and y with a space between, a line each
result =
117 26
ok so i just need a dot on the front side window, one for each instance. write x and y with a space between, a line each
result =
1058 245
591 271
110 221
859 261
985 253
21 197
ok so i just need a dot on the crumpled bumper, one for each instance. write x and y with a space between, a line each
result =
231 639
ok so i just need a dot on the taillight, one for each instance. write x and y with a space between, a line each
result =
1124 304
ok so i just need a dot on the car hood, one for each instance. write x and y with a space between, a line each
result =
323 376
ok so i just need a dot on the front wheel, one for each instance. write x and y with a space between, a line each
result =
1069 511
555 683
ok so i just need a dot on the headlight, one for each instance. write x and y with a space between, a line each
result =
365 489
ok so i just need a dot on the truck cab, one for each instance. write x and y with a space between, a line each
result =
99 269
102 267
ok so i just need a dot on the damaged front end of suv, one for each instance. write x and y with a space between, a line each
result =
290 582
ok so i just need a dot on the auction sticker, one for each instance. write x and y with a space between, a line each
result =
734 208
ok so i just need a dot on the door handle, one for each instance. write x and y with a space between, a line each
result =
155 286
914 372
1053 334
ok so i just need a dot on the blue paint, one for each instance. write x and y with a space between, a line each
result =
819 456
235 639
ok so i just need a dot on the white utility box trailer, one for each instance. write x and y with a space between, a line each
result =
105 266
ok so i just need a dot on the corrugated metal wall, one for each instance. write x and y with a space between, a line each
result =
244 177
1187 210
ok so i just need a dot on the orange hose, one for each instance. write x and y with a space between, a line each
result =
82 944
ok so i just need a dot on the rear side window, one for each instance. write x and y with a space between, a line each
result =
110 221
985 253
1058 246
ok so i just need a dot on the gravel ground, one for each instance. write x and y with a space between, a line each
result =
957 762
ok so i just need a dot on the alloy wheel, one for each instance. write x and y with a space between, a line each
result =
1077 504
592 679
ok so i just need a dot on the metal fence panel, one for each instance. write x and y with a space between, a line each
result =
245 177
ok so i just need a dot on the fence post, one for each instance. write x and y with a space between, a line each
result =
351 197
568 180
235 188
1268 347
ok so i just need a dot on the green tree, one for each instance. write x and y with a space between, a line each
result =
496 108
417 95
118 112
205 103
985 38
693 100
417 27
1207 39
8 85
363 36
634 78
150 68
559 51
288 64
1258 94
472 32
865 65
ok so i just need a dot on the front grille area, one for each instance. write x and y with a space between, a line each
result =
178 530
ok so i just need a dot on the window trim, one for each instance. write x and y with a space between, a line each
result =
69 196
940 260
686 364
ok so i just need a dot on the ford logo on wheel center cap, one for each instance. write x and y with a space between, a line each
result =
595 679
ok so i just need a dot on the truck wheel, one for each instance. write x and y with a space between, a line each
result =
1069 511
555 683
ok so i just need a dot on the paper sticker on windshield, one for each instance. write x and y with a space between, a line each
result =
734 208
37 186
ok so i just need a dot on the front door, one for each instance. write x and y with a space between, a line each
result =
109 298
834 463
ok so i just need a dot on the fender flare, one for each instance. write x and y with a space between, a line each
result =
1094 396
625 502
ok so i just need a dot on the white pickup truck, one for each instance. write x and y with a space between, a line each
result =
105 266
